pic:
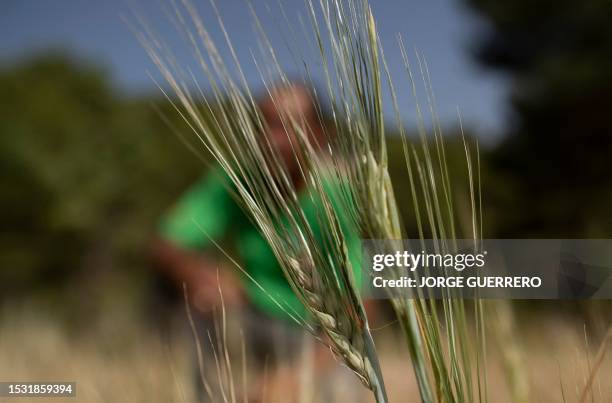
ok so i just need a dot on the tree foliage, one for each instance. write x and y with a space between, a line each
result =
555 162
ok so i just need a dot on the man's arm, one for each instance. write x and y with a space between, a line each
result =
198 272
180 247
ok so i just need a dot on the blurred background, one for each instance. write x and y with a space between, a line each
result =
88 163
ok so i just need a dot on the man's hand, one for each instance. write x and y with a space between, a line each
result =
208 288
208 284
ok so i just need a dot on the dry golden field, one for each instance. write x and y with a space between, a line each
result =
117 360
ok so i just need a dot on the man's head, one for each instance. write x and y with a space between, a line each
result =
284 108
288 101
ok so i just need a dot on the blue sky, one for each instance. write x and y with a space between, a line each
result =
443 31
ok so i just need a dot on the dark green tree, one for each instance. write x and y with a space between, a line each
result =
555 165
85 174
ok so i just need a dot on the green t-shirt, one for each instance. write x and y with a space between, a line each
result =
208 212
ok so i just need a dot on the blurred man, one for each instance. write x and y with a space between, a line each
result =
208 213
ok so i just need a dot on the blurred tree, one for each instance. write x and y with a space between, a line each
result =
554 166
84 174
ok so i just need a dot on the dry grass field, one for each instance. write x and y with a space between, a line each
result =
120 361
